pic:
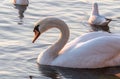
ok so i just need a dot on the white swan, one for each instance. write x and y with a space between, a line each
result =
20 2
83 52
97 21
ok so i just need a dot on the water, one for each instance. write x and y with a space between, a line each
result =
17 53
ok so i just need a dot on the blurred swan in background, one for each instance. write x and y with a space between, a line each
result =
97 21
20 2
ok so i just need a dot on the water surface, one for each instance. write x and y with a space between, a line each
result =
17 53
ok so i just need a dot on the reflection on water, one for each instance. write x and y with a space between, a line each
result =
21 10
74 73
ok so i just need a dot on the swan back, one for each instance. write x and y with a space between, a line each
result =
84 38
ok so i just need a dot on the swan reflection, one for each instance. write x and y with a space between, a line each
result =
75 73
21 6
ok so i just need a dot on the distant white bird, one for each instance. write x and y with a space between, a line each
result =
20 2
92 50
97 21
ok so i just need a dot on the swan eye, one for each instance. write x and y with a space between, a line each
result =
36 28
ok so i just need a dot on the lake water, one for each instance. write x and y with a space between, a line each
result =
17 52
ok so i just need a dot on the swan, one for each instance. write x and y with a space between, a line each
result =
98 51
97 21
20 2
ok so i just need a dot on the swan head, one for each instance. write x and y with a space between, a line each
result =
43 25
98 22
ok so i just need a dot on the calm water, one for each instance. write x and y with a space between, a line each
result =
17 53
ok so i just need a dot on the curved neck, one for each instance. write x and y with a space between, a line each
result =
51 53
95 10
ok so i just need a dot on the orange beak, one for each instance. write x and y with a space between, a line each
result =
36 35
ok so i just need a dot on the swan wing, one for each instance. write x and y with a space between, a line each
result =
88 36
95 53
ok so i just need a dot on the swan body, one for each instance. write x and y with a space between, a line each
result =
97 21
92 50
95 17
20 2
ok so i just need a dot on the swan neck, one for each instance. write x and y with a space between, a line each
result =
95 10
53 52
64 36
